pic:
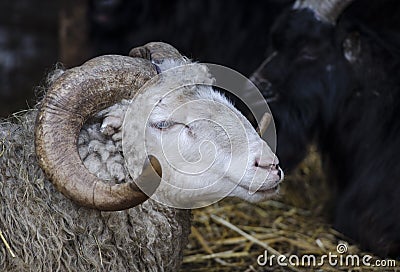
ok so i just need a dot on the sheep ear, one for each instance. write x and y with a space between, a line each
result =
264 123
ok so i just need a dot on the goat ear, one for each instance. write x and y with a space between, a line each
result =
352 47
264 123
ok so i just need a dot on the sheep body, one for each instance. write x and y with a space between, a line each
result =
48 232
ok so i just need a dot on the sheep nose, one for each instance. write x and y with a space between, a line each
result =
272 167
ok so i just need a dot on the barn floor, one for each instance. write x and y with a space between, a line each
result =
230 235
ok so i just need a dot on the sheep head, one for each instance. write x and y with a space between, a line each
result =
157 121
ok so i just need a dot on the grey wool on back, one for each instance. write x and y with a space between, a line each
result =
48 232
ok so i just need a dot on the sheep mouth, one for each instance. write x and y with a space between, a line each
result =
271 190
265 191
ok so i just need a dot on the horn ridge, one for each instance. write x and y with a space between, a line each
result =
156 52
75 96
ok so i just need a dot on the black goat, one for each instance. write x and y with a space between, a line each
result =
338 83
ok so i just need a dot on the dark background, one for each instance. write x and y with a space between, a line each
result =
35 35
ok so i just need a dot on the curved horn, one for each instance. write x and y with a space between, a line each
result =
327 10
156 52
78 94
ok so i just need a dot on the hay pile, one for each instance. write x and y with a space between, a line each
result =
231 234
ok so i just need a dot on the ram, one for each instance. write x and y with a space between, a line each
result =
333 77
76 138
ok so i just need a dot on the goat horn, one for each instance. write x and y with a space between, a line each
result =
156 52
78 94
327 10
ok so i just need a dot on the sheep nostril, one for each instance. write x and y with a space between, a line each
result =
270 166
263 165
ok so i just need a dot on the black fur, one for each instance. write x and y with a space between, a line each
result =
350 109
224 32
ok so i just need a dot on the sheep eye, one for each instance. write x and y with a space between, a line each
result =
163 124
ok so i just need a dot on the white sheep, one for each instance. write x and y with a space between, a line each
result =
83 147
